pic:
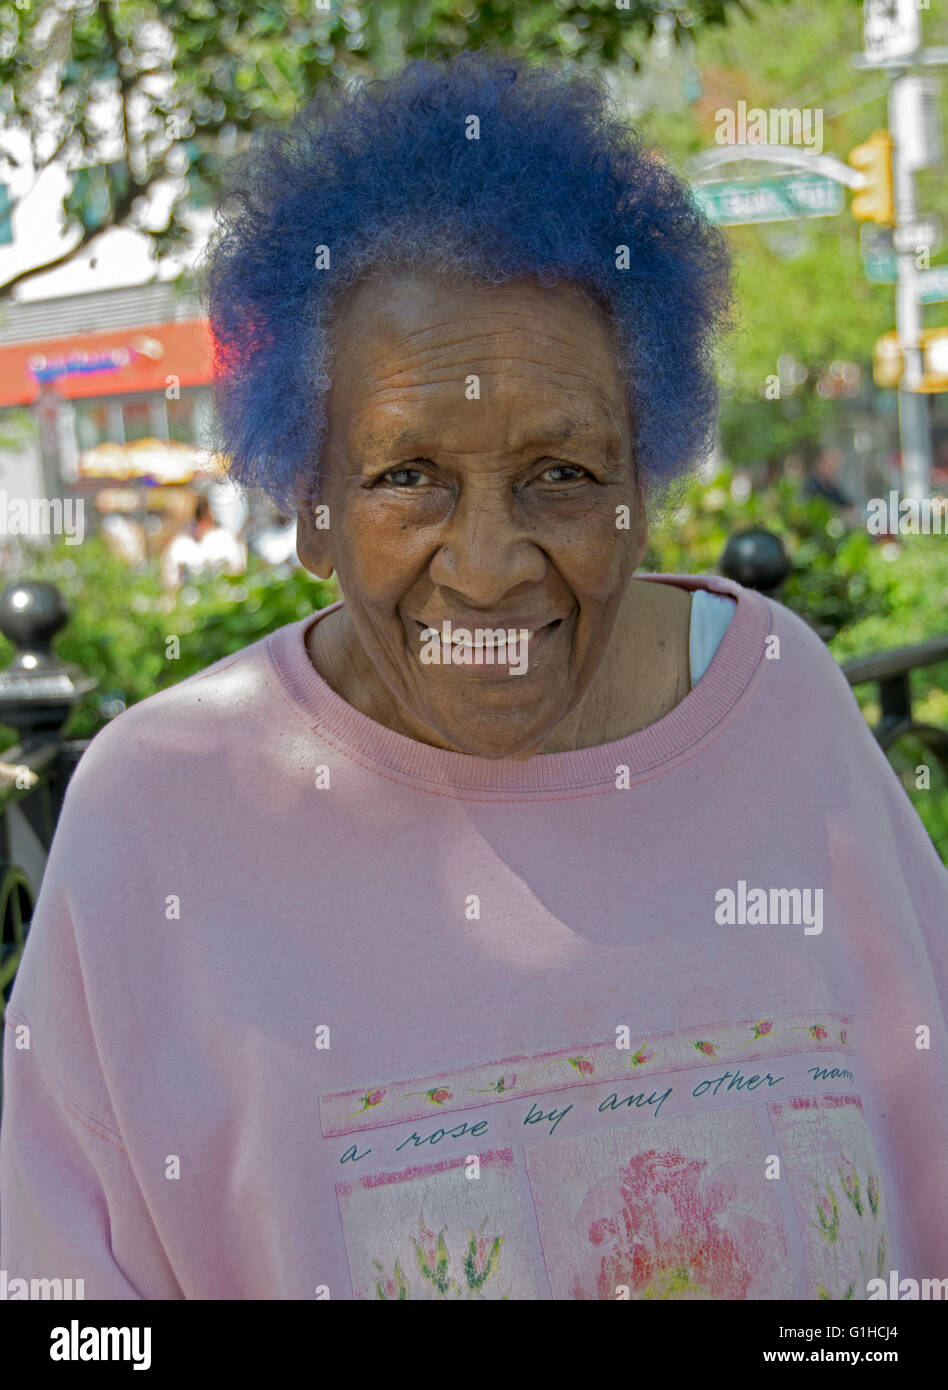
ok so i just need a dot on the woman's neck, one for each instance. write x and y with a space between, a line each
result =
643 676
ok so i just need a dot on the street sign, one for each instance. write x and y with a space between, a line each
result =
914 113
933 285
891 30
879 263
737 202
923 231
6 227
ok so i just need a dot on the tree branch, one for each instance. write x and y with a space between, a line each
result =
39 170
115 219
125 89
21 275
123 205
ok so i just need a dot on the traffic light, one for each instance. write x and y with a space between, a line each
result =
888 361
874 202
934 343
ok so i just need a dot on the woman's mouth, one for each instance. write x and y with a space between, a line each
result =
501 645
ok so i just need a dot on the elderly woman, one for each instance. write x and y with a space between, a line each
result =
519 926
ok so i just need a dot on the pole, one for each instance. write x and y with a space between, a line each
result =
914 429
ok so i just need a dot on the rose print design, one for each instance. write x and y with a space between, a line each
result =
865 1202
583 1065
675 1235
833 1172
438 1095
369 1101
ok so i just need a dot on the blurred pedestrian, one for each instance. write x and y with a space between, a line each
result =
202 548
823 482
275 542
124 538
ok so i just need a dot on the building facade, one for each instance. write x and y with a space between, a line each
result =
106 397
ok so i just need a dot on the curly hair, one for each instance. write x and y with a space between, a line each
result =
384 172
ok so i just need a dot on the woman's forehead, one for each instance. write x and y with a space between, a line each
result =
412 300
409 430
407 347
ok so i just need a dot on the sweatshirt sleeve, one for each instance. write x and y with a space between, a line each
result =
70 1205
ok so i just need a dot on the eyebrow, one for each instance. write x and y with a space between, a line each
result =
563 429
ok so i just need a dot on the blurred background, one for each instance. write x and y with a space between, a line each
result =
810 129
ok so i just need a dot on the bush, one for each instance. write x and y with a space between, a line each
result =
121 620
860 594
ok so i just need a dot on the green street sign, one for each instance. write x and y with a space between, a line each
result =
878 255
933 285
737 202
881 270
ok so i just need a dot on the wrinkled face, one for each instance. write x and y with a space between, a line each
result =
478 471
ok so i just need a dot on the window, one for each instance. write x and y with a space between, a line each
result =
92 424
181 422
136 417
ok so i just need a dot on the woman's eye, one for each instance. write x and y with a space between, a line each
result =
564 468
400 476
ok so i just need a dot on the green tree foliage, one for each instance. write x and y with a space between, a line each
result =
801 287
121 621
190 80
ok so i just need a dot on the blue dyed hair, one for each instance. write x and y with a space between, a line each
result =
382 172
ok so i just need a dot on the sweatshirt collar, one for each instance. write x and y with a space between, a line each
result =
732 671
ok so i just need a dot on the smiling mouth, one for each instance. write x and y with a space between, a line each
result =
488 642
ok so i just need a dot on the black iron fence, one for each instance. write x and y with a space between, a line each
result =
37 692
757 559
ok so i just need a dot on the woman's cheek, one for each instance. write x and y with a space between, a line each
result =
599 565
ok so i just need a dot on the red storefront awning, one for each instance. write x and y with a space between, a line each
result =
112 362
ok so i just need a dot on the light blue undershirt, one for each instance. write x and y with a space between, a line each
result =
710 617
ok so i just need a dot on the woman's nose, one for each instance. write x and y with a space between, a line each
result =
484 551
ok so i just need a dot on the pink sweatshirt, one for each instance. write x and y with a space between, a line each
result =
309 1009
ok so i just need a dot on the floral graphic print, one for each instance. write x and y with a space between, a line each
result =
865 1202
672 1238
445 1277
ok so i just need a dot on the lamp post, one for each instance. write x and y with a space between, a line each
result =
37 689
37 692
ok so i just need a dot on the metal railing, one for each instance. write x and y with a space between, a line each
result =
757 559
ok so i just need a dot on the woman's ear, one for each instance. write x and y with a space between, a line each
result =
313 535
